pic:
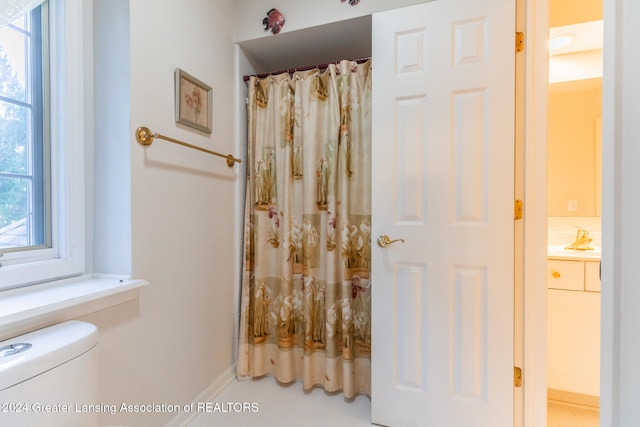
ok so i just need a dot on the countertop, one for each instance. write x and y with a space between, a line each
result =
560 253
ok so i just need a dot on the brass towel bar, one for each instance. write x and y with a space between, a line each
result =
145 137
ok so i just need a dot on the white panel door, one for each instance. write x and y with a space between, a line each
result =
443 166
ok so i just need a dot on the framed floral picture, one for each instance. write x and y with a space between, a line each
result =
193 101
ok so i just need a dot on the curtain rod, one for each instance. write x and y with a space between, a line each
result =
145 137
293 70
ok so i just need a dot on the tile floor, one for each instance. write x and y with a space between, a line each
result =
309 409
265 401
561 415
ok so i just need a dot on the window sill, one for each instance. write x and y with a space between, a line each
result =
32 307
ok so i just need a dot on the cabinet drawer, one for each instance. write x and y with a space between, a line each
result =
592 276
568 275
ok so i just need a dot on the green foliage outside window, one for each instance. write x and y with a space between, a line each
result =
13 145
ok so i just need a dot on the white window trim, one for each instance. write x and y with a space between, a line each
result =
71 100
33 307
64 287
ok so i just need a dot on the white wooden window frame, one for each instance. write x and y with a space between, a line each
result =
71 112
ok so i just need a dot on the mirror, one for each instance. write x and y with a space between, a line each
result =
574 147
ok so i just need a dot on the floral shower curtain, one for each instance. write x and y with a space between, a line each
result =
306 300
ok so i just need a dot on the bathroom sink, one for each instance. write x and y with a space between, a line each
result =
561 252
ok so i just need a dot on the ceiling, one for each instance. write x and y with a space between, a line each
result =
580 60
587 36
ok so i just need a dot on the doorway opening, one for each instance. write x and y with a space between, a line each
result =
574 200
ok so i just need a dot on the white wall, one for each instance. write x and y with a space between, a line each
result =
304 13
173 342
110 230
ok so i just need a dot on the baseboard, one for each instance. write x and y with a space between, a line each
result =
207 395
577 399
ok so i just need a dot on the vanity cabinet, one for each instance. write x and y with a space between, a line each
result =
573 275
573 326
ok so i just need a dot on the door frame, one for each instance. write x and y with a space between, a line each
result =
535 212
533 129
619 370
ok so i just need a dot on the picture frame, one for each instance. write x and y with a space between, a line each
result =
193 100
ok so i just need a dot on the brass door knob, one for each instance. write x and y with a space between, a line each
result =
556 275
384 241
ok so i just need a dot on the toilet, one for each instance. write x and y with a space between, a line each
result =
48 378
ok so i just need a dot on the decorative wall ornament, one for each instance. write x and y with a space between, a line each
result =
351 2
274 20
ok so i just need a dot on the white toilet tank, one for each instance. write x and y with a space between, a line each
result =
48 378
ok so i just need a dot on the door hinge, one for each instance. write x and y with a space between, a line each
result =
519 41
517 376
517 209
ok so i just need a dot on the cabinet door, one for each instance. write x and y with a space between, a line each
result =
573 341
567 275
592 276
